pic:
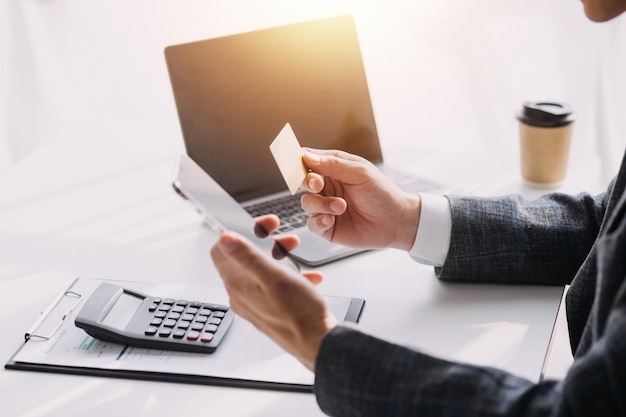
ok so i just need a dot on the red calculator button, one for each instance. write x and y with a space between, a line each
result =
193 335
206 337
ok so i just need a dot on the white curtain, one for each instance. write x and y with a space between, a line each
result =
611 109
445 75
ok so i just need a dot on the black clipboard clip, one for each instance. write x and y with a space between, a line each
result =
30 334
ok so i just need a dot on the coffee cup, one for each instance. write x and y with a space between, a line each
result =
545 131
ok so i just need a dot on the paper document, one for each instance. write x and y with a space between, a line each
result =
244 354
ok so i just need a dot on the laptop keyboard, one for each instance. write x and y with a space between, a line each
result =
287 208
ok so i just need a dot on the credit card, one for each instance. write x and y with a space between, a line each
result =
287 153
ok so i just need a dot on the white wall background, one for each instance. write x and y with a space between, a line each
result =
444 74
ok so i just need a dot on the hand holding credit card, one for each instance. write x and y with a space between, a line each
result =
287 153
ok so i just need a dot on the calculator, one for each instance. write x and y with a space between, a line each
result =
117 314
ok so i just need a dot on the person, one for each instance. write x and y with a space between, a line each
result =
557 239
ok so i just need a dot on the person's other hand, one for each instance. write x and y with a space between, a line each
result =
354 204
275 298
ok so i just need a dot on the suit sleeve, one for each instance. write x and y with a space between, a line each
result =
505 240
359 375
512 240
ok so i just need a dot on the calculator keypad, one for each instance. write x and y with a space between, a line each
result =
181 320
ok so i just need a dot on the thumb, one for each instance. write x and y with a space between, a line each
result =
245 255
338 165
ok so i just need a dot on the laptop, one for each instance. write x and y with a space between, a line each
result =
235 93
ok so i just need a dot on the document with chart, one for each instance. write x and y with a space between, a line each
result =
245 357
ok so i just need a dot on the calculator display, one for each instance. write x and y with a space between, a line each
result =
122 311
116 314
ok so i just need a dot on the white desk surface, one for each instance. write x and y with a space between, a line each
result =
106 209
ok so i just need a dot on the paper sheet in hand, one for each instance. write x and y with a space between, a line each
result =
287 153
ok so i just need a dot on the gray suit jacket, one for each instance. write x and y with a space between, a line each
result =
555 240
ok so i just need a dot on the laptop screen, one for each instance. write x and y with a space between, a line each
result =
234 94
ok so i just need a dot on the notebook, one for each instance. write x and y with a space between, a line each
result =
234 94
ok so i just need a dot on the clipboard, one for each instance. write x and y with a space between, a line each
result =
246 358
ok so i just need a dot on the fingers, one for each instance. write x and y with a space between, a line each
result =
230 246
339 165
333 152
313 183
325 209
235 256
318 204
240 264
266 225
321 224
313 277
283 245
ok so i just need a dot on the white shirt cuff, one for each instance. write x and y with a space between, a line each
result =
433 233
